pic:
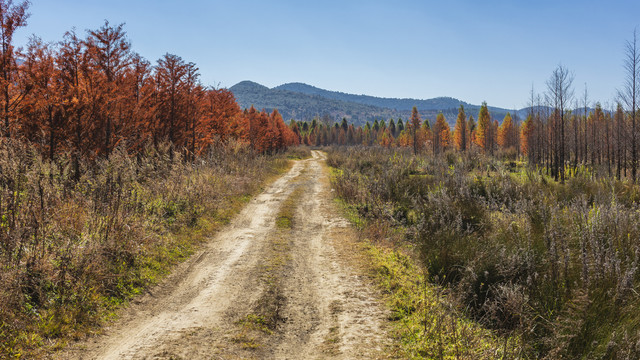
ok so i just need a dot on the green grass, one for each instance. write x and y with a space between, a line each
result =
428 324
286 214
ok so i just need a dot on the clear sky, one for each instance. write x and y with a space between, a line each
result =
473 50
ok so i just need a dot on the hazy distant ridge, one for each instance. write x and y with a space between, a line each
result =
300 106
439 103
304 102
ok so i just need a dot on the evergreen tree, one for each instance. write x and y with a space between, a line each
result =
392 128
415 126
471 131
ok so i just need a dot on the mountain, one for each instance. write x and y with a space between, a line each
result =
304 102
547 109
300 106
439 103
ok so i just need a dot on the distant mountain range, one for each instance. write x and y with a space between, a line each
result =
304 102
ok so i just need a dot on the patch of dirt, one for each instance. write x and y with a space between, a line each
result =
212 306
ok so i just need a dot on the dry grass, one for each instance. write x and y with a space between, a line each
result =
73 249
553 265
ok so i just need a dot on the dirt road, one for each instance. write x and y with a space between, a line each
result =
266 287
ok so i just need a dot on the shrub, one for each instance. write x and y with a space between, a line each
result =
555 263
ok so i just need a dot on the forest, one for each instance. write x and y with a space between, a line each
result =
86 96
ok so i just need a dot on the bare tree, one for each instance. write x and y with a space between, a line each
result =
576 138
619 120
585 124
629 95
560 93
607 136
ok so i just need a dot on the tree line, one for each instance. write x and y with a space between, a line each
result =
87 95
486 134
561 134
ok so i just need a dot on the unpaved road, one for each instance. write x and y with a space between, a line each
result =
259 291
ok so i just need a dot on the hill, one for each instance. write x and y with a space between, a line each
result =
300 106
304 102
439 103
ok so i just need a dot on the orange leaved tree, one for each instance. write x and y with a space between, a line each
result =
460 133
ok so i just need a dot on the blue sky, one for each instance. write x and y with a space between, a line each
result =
476 51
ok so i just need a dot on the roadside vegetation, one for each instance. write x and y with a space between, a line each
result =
72 251
551 269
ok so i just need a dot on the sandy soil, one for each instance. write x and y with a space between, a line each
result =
321 303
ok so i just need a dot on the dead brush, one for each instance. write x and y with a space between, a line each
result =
73 247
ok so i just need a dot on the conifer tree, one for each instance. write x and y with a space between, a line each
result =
109 56
344 124
460 131
471 131
483 132
170 73
415 126
525 134
440 134
507 133
392 128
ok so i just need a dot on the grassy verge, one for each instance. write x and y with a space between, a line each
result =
74 250
299 153
429 324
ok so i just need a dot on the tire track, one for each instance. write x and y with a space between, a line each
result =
325 308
